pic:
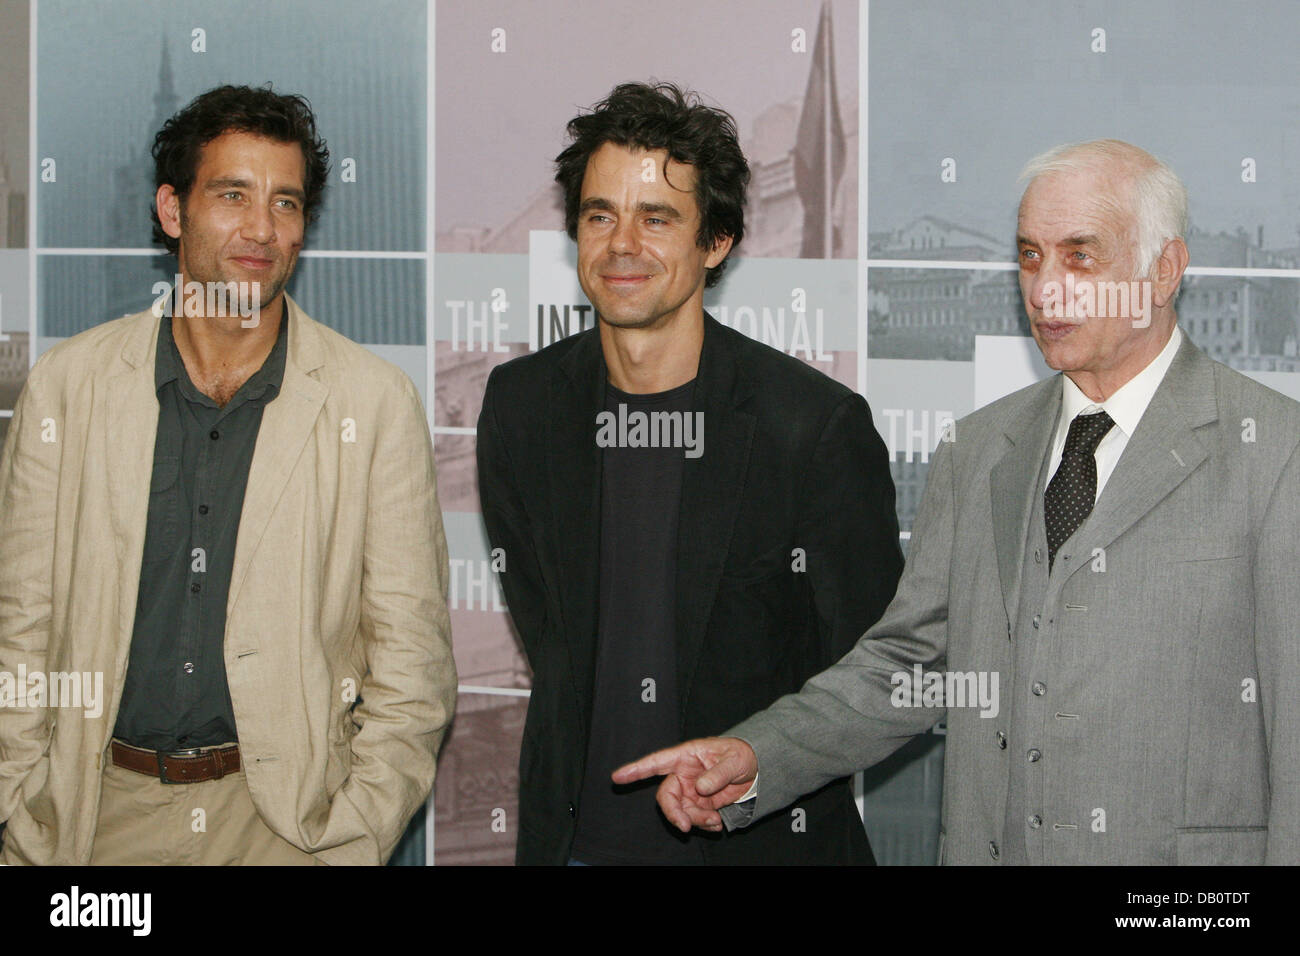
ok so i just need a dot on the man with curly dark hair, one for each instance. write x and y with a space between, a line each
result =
692 521
224 514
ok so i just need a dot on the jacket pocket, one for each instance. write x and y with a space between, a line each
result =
1221 846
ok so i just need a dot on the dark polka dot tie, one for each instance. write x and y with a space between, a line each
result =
1073 489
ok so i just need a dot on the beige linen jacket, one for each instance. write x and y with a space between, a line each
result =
337 644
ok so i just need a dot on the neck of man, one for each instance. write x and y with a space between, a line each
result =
656 359
1101 385
220 354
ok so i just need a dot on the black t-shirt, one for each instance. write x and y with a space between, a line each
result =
635 706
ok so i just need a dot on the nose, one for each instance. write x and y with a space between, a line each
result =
623 239
258 226
1048 277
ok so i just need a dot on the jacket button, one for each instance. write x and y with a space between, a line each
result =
1038 555
1035 822
573 811
1037 620
1039 688
1034 755
1002 741
993 851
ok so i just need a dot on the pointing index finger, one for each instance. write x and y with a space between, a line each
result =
652 765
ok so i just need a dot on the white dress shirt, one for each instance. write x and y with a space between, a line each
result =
1126 408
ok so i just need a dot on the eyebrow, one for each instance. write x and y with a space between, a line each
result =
1085 239
666 210
293 191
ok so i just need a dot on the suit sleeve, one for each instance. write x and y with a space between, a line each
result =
845 718
849 528
29 479
1277 654
507 524
407 696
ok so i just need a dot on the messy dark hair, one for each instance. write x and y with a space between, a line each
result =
285 118
663 116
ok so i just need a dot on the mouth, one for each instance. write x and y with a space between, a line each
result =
1055 331
254 263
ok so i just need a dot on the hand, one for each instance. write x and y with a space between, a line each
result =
701 777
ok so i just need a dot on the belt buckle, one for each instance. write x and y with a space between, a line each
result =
162 762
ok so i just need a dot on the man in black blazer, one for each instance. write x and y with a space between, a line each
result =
693 522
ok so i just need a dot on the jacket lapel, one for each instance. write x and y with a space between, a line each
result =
286 425
1013 483
132 426
1163 451
573 466
713 486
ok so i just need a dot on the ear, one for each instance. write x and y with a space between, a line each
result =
169 210
718 252
1168 272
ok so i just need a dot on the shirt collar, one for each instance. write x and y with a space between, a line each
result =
1129 403
266 381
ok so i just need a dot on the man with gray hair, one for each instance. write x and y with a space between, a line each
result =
1112 548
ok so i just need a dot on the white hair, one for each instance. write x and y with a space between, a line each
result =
1159 196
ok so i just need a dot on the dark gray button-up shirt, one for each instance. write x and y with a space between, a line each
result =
176 695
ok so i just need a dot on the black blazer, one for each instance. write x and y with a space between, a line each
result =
791 461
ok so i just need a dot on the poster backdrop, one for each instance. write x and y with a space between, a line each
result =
885 139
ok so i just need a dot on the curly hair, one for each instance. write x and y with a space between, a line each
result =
236 109
663 116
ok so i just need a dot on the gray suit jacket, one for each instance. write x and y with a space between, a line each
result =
1164 687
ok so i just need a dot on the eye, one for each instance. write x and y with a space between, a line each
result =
288 203
232 194
1029 254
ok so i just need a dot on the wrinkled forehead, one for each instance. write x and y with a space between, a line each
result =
1089 198
613 165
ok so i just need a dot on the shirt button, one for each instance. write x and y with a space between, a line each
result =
993 851
1035 822
1038 618
194 588
1034 755
214 434
187 667
203 509
1038 555
1002 741
1039 688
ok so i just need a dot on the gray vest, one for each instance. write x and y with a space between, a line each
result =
1036 654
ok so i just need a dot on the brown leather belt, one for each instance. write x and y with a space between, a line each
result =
182 766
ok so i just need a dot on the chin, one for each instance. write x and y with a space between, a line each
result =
627 321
